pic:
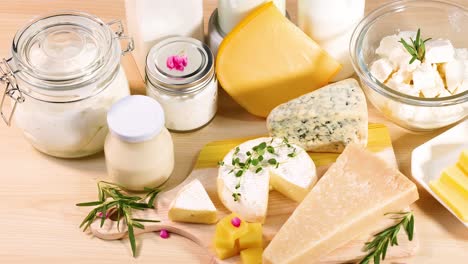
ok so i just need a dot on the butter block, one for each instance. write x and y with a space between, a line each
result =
326 120
251 256
266 60
253 238
454 199
453 176
193 205
463 161
348 201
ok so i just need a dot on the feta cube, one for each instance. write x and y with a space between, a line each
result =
461 54
462 88
400 81
439 51
381 69
444 93
428 80
454 73
387 46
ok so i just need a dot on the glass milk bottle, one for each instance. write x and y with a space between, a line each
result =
330 23
150 21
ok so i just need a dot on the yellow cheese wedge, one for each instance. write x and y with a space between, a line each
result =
251 256
453 176
454 199
266 61
253 238
224 253
463 161
348 201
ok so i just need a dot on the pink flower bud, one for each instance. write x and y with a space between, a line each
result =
236 221
164 234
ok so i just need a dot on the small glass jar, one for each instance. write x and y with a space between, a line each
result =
63 76
180 76
139 149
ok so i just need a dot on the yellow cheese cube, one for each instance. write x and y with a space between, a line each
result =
224 253
463 161
251 256
266 60
253 238
226 234
454 199
455 178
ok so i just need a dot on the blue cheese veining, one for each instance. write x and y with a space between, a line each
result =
326 120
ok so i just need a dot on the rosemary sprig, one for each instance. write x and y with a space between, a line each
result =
377 248
255 160
417 48
115 203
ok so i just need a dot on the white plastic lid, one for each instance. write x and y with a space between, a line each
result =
136 118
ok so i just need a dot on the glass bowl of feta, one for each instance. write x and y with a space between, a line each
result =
412 60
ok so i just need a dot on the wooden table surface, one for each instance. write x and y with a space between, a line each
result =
39 221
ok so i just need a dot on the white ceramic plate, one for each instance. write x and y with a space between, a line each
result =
430 159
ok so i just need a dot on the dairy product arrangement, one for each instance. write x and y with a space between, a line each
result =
315 183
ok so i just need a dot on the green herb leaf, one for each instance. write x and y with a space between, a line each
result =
239 173
90 203
417 48
113 200
377 248
270 149
272 161
259 169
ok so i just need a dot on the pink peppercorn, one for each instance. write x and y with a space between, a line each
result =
236 222
164 234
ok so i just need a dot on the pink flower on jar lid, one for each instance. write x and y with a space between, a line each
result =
177 62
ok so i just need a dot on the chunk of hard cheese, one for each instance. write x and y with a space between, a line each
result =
253 238
251 256
450 195
349 200
326 120
266 60
226 234
193 205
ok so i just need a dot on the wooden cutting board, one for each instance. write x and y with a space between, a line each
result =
279 207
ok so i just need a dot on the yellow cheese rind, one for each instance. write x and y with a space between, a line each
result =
266 61
189 216
352 196
455 200
463 161
251 256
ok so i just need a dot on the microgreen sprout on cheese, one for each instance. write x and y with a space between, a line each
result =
417 48
255 160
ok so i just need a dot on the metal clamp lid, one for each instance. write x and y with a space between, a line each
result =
120 33
7 76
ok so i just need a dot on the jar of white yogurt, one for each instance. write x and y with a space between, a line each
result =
139 149
180 76
63 76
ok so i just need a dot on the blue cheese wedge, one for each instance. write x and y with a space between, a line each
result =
292 174
326 120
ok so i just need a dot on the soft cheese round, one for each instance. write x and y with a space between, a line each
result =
294 177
